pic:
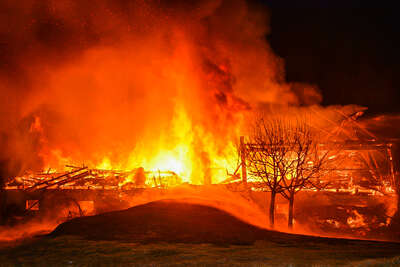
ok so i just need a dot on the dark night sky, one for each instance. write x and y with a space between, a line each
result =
349 51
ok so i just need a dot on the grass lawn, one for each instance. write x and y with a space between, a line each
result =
72 251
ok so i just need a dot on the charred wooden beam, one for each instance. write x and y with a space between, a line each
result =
348 145
46 183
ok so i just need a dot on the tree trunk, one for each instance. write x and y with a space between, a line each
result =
290 218
272 209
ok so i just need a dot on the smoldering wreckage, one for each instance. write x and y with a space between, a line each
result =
116 123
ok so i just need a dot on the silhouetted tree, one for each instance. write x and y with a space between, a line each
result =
285 155
307 161
266 158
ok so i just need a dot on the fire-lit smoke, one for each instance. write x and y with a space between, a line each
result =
146 87
128 84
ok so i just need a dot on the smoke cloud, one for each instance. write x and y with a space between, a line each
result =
95 79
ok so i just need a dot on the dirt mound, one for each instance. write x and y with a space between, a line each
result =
172 221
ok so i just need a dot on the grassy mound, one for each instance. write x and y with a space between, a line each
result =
177 222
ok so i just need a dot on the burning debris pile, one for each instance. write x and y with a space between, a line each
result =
359 161
85 178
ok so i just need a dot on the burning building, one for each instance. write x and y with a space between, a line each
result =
121 96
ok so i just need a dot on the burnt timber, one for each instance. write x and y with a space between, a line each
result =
27 193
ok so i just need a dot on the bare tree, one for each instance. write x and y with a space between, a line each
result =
306 162
267 151
285 156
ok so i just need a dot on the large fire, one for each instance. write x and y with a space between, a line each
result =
151 94
163 89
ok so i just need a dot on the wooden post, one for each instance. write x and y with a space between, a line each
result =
3 203
391 166
395 178
207 176
243 159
